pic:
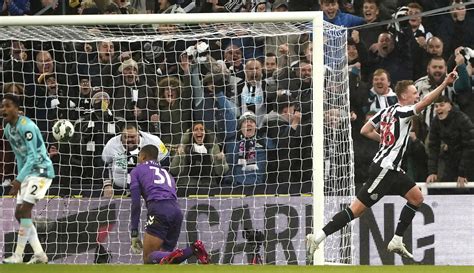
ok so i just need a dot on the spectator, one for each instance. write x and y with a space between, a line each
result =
357 55
52 7
82 97
247 153
455 28
132 99
199 160
371 13
421 36
435 46
393 56
212 106
252 91
101 64
451 141
94 130
86 4
333 15
436 73
234 61
417 159
174 111
169 6
120 156
359 101
37 94
260 6
57 103
124 6
16 7
381 94
18 67
270 68
283 127
280 6
285 47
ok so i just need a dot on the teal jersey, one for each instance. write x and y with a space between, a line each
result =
30 151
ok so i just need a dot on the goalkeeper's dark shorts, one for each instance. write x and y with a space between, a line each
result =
383 182
164 221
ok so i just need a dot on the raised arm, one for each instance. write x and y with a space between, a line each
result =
431 97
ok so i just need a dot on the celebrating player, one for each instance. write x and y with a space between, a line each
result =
391 127
158 189
35 173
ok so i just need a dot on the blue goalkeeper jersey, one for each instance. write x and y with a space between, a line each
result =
30 152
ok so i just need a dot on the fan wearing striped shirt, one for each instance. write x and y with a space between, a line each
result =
390 127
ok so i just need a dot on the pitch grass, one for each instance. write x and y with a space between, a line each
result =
228 269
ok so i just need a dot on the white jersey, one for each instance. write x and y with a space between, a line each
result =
394 124
121 162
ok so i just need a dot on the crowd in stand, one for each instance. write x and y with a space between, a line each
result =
236 112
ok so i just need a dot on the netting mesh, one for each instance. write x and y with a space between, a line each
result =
229 106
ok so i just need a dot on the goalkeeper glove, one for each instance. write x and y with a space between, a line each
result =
137 245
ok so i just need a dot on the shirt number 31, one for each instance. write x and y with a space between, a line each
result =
161 177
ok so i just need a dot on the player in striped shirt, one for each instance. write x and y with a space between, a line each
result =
35 173
391 128
158 189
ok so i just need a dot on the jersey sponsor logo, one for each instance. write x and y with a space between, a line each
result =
29 135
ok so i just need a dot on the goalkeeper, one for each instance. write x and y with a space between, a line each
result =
158 189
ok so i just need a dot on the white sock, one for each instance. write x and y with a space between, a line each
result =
320 236
23 234
34 241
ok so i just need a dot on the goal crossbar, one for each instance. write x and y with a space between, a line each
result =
192 18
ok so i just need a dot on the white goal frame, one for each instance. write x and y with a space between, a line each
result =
318 69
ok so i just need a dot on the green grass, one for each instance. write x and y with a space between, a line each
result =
228 269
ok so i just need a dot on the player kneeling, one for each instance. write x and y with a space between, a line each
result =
158 189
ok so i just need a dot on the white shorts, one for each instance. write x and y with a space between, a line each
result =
33 189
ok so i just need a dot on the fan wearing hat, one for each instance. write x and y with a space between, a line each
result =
246 155
96 128
451 141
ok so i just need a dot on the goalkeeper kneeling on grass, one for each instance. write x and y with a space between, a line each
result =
158 189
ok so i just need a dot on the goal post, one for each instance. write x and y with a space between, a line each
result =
331 187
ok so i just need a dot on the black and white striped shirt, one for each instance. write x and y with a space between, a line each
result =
394 124
424 87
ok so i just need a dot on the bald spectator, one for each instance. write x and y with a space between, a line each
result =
252 91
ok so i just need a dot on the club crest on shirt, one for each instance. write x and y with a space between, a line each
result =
374 196
29 135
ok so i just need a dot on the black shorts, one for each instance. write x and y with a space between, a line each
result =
383 182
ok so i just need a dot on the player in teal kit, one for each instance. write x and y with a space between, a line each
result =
35 173
158 189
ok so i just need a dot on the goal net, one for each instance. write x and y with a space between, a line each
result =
229 105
